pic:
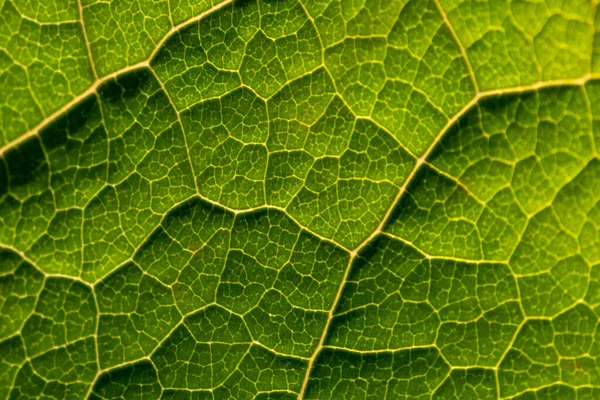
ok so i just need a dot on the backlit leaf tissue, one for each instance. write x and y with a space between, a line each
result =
299 199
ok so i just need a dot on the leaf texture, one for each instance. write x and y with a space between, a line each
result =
312 199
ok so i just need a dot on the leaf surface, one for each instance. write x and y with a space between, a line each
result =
299 199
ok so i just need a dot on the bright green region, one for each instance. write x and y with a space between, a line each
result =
55 11
531 362
520 42
261 244
296 109
557 249
357 67
183 10
406 77
336 19
60 246
192 264
286 46
507 158
410 113
309 279
316 155
298 43
480 312
596 44
125 32
535 143
423 53
438 216
549 292
262 69
575 331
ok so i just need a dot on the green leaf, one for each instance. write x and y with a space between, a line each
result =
312 199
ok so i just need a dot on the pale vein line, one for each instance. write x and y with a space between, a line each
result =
269 207
187 146
590 116
96 346
213 203
336 300
38 22
447 258
39 269
87 40
459 44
